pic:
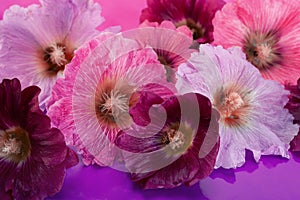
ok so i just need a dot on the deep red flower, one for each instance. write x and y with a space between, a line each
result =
294 107
33 156
182 151
196 14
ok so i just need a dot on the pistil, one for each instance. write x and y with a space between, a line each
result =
262 50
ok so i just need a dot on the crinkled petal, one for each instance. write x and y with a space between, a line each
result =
82 30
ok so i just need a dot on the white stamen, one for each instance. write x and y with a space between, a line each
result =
116 102
57 55
176 138
177 141
8 147
234 101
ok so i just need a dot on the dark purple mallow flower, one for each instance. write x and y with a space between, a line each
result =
178 144
196 14
33 156
294 107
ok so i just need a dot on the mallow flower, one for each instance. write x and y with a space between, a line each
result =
294 107
267 31
103 82
195 14
172 45
252 114
178 144
33 156
37 42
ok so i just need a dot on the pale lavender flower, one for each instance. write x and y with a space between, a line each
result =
251 108
37 42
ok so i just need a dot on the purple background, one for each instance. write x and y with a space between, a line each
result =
272 178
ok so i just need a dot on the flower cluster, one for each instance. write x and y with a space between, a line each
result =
193 87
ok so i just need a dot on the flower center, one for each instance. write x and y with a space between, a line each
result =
174 138
262 50
178 137
163 60
56 58
231 106
196 28
14 144
170 73
232 102
115 103
113 100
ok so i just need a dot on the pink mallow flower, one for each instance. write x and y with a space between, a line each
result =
37 42
251 108
33 156
294 107
102 83
172 45
178 144
267 31
196 14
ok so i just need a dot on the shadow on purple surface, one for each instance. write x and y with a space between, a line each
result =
296 156
182 192
250 166
99 183
272 161
228 175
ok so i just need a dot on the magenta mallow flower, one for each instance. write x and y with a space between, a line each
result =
182 150
294 107
171 44
196 14
251 108
33 156
37 42
102 83
270 41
